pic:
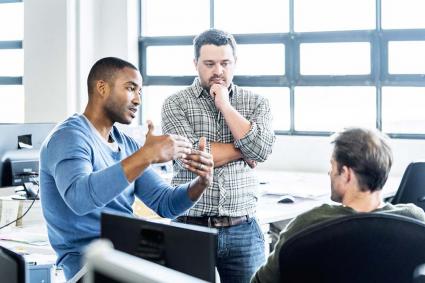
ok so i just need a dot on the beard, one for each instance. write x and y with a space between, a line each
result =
334 195
117 115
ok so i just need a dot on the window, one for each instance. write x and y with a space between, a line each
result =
402 109
335 58
252 16
278 98
270 59
168 17
323 65
334 15
12 62
406 57
175 60
333 108
406 14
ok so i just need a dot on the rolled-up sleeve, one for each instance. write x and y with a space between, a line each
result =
257 144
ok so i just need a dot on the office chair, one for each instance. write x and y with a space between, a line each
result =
367 247
412 186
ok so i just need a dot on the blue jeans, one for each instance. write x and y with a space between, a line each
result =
240 252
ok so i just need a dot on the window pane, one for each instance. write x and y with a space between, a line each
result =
403 110
252 16
404 14
334 108
152 99
12 21
344 58
170 60
330 15
171 17
12 104
279 104
260 59
12 62
406 57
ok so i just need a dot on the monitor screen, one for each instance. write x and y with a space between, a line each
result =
12 266
19 151
186 248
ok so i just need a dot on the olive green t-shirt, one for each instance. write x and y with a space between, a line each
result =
269 273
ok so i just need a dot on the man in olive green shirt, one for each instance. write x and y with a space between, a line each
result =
360 164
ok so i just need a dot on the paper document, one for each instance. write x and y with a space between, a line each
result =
302 185
35 239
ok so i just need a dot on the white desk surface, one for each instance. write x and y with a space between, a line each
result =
309 189
31 241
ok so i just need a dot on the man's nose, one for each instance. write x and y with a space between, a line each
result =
218 69
137 99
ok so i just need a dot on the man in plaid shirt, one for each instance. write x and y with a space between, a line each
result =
237 125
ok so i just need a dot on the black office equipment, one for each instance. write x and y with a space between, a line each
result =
186 248
12 267
286 199
19 151
32 190
367 247
412 185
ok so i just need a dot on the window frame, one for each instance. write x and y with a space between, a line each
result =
11 44
378 77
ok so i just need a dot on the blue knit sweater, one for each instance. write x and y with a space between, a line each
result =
81 176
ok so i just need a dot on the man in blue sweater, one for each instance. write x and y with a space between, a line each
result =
87 166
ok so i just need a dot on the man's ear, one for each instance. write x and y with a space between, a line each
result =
102 87
347 173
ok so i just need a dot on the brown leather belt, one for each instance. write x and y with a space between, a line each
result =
213 221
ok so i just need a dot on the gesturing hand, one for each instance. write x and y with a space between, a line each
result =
201 163
166 147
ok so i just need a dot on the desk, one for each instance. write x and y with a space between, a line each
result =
31 241
309 189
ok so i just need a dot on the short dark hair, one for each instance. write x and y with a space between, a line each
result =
367 152
105 69
213 36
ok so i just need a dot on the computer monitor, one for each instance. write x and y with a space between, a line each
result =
19 151
107 265
186 248
12 266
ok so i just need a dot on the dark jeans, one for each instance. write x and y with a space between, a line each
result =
240 252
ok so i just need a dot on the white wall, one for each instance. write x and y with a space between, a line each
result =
49 78
63 38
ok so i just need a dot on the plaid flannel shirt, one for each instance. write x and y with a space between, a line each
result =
193 114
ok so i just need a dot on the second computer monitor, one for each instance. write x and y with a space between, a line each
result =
186 248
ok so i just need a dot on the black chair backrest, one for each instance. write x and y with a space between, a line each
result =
368 247
412 186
